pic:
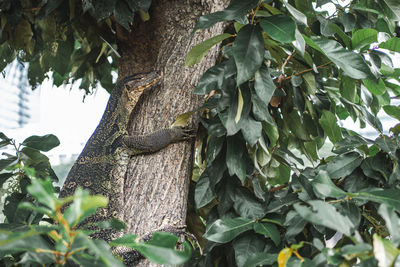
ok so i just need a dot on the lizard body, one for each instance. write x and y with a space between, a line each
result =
101 167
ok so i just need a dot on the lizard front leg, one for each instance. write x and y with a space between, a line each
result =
157 140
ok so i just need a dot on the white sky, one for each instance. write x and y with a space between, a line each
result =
62 112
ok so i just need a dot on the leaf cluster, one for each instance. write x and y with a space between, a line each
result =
277 173
71 40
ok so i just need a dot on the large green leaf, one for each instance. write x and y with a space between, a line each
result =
42 143
203 192
324 214
394 7
328 122
376 88
248 52
363 38
224 230
43 191
324 187
389 197
280 27
247 245
236 9
235 151
392 44
351 63
197 53
269 230
393 111
264 85
343 165
298 15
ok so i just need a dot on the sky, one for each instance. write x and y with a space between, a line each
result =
62 112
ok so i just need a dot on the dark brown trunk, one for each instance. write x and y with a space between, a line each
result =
156 185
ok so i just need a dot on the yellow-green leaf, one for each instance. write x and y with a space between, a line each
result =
196 54
284 256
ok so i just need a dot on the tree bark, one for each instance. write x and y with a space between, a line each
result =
156 185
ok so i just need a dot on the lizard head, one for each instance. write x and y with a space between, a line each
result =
142 81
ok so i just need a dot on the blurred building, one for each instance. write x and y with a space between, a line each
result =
19 104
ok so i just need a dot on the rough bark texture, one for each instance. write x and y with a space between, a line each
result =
156 185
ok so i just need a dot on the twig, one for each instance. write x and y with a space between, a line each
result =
307 70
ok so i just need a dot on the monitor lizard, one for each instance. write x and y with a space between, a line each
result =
101 167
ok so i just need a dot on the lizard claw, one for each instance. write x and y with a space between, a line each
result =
182 133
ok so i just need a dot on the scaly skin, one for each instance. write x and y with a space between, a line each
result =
102 165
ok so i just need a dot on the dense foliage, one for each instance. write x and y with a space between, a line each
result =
276 173
75 40
272 189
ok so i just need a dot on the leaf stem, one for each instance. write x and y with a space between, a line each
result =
307 70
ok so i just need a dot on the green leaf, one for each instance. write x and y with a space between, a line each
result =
392 222
251 130
394 7
264 85
20 240
42 143
261 259
384 251
364 37
43 191
197 53
247 206
280 27
299 16
389 197
324 187
351 63
328 122
248 52
4 163
343 165
203 192
123 15
247 245
392 44
345 38
272 133
348 20
324 214
86 246
213 78
348 88
376 88
235 10
235 151
83 206
297 126
393 111
224 230
299 43
269 230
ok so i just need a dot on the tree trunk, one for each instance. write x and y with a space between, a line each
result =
156 185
